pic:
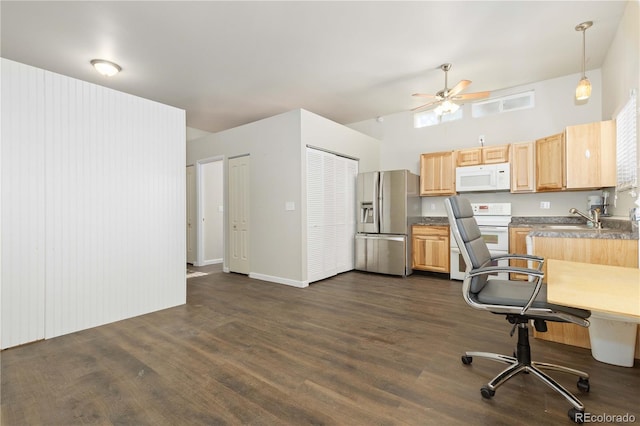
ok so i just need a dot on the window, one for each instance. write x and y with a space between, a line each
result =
503 104
627 144
430 118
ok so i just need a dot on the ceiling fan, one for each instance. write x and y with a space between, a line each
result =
444 99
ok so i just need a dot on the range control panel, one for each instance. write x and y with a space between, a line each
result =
491 209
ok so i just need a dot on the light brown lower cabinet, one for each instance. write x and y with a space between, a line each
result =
599 251
430 248
518 245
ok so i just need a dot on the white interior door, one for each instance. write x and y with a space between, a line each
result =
315 216
239 192
211 196
346 176
191 214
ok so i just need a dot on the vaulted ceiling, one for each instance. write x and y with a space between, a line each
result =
231 63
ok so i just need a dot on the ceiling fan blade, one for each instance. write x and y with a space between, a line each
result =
424 95
477 95
425 105
462 84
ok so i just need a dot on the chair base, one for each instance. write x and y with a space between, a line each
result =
521 363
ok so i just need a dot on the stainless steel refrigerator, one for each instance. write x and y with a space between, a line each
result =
385 201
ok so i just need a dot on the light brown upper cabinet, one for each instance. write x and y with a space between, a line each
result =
495 154
591 155
550 163
591 151
438 173
468 157
482 155
523 167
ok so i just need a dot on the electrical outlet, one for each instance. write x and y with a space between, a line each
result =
545 204
433 206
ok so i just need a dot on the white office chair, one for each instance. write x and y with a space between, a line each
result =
521 302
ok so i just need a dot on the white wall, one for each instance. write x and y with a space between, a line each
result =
93 196
276 145
318 132
193 133
273 144
620 74
555 108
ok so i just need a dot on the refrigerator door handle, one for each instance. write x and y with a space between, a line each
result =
376 202
380 200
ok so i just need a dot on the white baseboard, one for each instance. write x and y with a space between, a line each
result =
226 269
211 262
279 280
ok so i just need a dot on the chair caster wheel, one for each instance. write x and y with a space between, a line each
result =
466 360
577 416
486 392
583 384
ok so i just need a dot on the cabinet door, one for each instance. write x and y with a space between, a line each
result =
591 148
523 167
518 245
437 173
469 157
430 248
550 163
495 154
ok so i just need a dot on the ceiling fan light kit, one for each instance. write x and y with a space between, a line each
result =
446 107
583 90
106 68
444 100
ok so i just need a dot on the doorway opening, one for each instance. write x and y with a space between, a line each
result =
209 212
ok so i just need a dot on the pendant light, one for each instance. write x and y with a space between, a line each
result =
583 91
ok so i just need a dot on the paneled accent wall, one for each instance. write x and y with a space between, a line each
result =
23 204
93 196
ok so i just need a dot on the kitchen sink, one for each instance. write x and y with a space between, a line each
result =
568 226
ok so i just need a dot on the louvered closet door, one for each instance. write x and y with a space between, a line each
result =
331 182
315 215
346 175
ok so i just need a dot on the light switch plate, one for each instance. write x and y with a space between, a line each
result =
290 206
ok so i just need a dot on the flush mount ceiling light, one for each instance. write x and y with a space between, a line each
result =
106 68
583 91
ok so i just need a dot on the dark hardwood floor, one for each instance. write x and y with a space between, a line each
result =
357 349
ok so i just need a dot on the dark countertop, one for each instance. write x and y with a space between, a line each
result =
612 228
430 220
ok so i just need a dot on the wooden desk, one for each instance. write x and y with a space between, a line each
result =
608 289
611 293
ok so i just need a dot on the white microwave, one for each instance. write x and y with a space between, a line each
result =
487 177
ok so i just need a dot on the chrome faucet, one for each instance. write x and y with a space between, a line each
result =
593 217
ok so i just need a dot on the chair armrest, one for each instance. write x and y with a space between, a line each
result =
536 290
509 269
527 257
518 257
537 273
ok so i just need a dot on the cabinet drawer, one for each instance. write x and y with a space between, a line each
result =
430 230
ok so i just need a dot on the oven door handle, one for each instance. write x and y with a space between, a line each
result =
493 228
